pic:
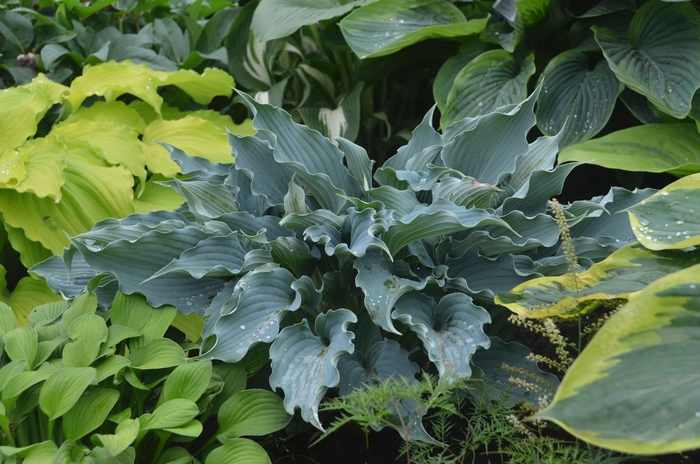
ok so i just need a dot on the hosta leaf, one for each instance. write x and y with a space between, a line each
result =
445 78
238 450
384 360
304 365
575 98
156 197
110 366
489 81
173 413
633 402
214 257
256 159
124 435
115 79
668 219
116 112
191 134
251 413
92 191
488 158
205 199
503 363
450 331
316 162
387 26
274 19
466 192
28 294
21 109
670 148
21 344
653 63
253 314
23 381
628 270
159 354
63 389
89 412
376 277
35 167
150 253
442 217
422 137
187 381
86 333
201 87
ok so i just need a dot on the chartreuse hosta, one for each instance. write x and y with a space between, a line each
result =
350 278
635 388
80 386
100 159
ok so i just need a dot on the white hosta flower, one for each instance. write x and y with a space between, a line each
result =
335 122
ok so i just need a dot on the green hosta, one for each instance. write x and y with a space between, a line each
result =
82 385
100 159
631 388
295 248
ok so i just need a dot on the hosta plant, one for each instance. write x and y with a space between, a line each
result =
635 386
71 156
79 385
346 277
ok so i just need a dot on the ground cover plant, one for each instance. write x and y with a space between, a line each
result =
79 385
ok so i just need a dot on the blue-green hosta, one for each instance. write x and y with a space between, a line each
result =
78 385
635 386
349 278
100 159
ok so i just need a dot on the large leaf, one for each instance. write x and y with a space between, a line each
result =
488 150
253 314
386 26
635 386
575 98
491 80
304 365
316 162
63 389
450 330
274 19
669 219
626 271
662 58
673 148
238 450
89 412
93 190
252 413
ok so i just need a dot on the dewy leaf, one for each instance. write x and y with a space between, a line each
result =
253 314
673 148
625 272
450 331
274 19
149 253
669 219
63 389
489 150
491 80
386 26
576 98
445 78
662 58
304 365
610 396
251 413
